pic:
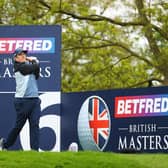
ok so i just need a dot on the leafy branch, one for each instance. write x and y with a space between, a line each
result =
114 44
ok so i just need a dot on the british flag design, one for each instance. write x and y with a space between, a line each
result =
99 121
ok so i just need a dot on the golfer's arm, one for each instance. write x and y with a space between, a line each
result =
26 69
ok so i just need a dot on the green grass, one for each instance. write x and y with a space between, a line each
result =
31 159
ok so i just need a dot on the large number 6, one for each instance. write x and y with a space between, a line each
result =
51 121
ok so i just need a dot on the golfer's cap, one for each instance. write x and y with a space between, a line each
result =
18 51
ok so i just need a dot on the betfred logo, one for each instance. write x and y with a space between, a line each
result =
33 45
139 106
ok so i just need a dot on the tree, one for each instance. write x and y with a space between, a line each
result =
106 44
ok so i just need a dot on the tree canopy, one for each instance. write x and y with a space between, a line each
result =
105 44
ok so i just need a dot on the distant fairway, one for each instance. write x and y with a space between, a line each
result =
13 159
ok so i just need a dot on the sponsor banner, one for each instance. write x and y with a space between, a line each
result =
43 42
49 122
122 120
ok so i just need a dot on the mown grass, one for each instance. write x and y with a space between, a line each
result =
31 159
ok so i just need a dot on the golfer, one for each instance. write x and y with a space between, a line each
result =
26 101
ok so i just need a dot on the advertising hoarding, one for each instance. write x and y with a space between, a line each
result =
43 42
121 120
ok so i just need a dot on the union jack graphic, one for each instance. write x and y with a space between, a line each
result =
99 121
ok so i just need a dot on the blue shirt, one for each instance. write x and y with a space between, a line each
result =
26 75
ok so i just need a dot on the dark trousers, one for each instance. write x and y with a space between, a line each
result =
26 108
